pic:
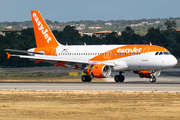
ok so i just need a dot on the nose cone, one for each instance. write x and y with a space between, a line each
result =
171 61
174 61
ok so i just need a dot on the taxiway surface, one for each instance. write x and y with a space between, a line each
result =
169 81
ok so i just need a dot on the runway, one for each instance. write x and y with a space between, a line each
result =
169 81
165 87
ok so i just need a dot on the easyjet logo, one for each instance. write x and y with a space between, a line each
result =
41 28
128 50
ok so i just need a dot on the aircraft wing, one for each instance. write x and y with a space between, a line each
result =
55 58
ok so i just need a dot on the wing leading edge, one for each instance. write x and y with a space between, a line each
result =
56 59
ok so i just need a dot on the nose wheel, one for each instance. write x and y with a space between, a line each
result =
152 79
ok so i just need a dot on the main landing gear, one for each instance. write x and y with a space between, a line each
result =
119 78
86 78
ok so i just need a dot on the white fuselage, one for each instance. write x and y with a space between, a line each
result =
139 61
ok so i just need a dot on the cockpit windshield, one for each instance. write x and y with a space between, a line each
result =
162 53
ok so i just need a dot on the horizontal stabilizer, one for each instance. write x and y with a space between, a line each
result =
23 51
8 55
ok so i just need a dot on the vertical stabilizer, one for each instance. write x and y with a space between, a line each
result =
43 35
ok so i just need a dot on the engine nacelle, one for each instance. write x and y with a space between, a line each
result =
142 74
98 71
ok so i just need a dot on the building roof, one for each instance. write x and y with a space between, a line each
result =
178 30
101 32
11 30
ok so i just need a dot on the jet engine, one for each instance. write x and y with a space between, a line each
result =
148 74
143 74
98 71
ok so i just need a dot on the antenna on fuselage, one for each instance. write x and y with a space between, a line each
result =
150 43
84 43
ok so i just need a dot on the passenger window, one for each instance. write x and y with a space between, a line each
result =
156 53
161 53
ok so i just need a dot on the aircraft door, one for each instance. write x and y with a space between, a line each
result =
144 54
53 53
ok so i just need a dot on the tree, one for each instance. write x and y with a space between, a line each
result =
170 25
126 34
141 33
155 36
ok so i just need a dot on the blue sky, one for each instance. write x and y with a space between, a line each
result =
75 10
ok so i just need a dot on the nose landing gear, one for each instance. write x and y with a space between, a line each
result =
152 79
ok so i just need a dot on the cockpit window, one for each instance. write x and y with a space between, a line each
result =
156 53
166 53
160 53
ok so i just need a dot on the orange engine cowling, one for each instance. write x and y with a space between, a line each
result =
144 74
98 71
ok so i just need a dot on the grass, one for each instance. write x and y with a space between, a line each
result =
42 77
35 105
30 75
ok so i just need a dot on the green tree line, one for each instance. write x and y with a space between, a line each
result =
168 38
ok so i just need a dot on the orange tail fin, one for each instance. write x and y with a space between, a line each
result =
44 36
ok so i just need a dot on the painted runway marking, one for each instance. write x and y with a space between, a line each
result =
168 79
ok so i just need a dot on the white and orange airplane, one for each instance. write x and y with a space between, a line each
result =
97 61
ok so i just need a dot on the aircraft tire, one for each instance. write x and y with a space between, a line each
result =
117 78
88 78
84 78
152 79
121 78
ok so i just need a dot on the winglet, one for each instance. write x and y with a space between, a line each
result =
8 55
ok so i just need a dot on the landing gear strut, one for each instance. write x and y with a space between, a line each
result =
86 78
119 78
